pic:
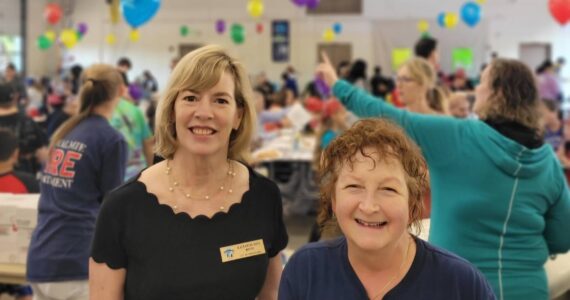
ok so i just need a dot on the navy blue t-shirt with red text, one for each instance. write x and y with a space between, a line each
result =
87 163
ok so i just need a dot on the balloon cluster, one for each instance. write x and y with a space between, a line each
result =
329 35
560 10
68 37
310 4
470 14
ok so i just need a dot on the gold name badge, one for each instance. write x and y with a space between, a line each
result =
243 250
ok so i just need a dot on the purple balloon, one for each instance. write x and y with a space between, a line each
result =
322 88
135 91
299 2
312 4
82 28
220 26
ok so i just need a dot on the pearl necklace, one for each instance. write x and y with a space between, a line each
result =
175 184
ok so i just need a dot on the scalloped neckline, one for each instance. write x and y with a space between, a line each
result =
219 214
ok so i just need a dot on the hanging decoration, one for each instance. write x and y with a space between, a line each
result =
471 13
134 36
423 26
237 33
337 27
138 12
560 10
184 31
259 28
68 38
43 42
52 13
328 35
114 11
255 8
220 26
111 39
50 35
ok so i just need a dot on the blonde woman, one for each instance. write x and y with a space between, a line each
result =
417 88
87 160
201 224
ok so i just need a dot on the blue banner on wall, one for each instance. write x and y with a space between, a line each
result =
280 40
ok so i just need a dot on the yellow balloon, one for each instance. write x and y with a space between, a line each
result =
451 20
255 8
68 37
481 1
134 35
111 39
329 35
423 26
50 34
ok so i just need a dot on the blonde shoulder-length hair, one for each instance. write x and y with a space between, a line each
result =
200 70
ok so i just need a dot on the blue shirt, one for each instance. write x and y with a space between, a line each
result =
88 162
322 271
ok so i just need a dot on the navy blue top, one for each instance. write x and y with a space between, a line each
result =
322 271
88 162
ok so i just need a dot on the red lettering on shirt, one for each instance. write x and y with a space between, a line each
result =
54 162
68 163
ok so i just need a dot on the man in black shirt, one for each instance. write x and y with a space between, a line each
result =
381 86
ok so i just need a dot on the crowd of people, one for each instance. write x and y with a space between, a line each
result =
147 199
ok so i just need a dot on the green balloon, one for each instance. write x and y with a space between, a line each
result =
184 30
425 35
43 42
79 35
237 33
238 38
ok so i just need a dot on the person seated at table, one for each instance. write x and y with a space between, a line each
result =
499 196
372 179
17 183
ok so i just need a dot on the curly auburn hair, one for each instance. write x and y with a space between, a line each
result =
389 141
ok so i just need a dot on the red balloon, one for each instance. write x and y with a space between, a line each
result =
560 10
52 13
259 27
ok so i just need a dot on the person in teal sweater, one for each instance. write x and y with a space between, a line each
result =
499 196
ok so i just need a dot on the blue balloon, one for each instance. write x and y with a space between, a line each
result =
441 19
471 13
138 12
337 28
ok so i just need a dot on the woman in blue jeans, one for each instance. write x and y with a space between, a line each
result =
499 196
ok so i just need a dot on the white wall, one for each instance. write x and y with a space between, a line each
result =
507 23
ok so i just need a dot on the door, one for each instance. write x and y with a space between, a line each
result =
533 54
337 52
